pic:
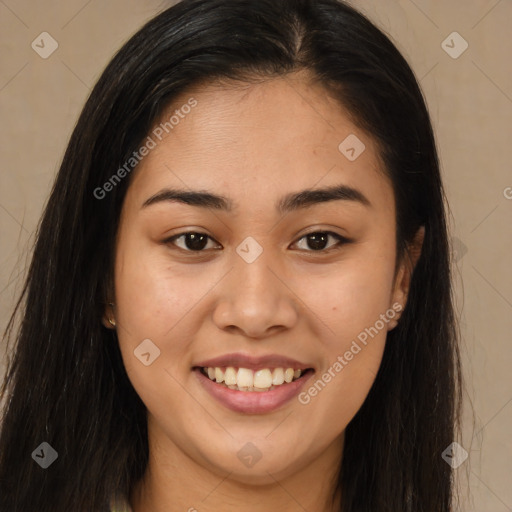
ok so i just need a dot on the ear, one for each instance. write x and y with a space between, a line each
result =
404 275
108 318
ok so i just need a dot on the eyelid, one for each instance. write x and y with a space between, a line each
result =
342 240
171 239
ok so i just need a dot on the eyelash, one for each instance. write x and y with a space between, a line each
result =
341 241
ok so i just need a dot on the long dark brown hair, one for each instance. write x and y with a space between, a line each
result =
66 384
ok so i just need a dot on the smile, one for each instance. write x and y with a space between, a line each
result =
245 379
252 391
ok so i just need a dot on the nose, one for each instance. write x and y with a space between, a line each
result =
255 300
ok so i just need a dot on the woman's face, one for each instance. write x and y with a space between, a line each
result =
272 276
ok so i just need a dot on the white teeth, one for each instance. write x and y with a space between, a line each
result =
262 379
219 375
230 376
277 376
245 379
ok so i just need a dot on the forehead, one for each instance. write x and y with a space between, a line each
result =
253 141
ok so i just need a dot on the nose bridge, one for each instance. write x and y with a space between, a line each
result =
254 299
254 281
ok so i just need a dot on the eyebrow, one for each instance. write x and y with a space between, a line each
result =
288 203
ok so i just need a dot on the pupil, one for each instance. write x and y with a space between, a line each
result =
195 241
317 241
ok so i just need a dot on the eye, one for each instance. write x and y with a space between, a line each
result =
318 240
192 241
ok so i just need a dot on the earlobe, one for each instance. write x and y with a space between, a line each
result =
401 286
399 297
404 275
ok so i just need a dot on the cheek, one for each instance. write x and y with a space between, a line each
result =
354 306
152 300
152 295
351 298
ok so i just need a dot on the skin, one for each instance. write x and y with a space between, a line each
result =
253 144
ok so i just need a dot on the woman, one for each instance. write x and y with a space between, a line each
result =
240 291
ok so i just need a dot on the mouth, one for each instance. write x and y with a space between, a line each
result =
250 380
252 390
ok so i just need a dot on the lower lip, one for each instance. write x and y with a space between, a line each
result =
253 402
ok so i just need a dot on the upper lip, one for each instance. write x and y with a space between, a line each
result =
239 360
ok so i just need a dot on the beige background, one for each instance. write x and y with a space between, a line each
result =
470 99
